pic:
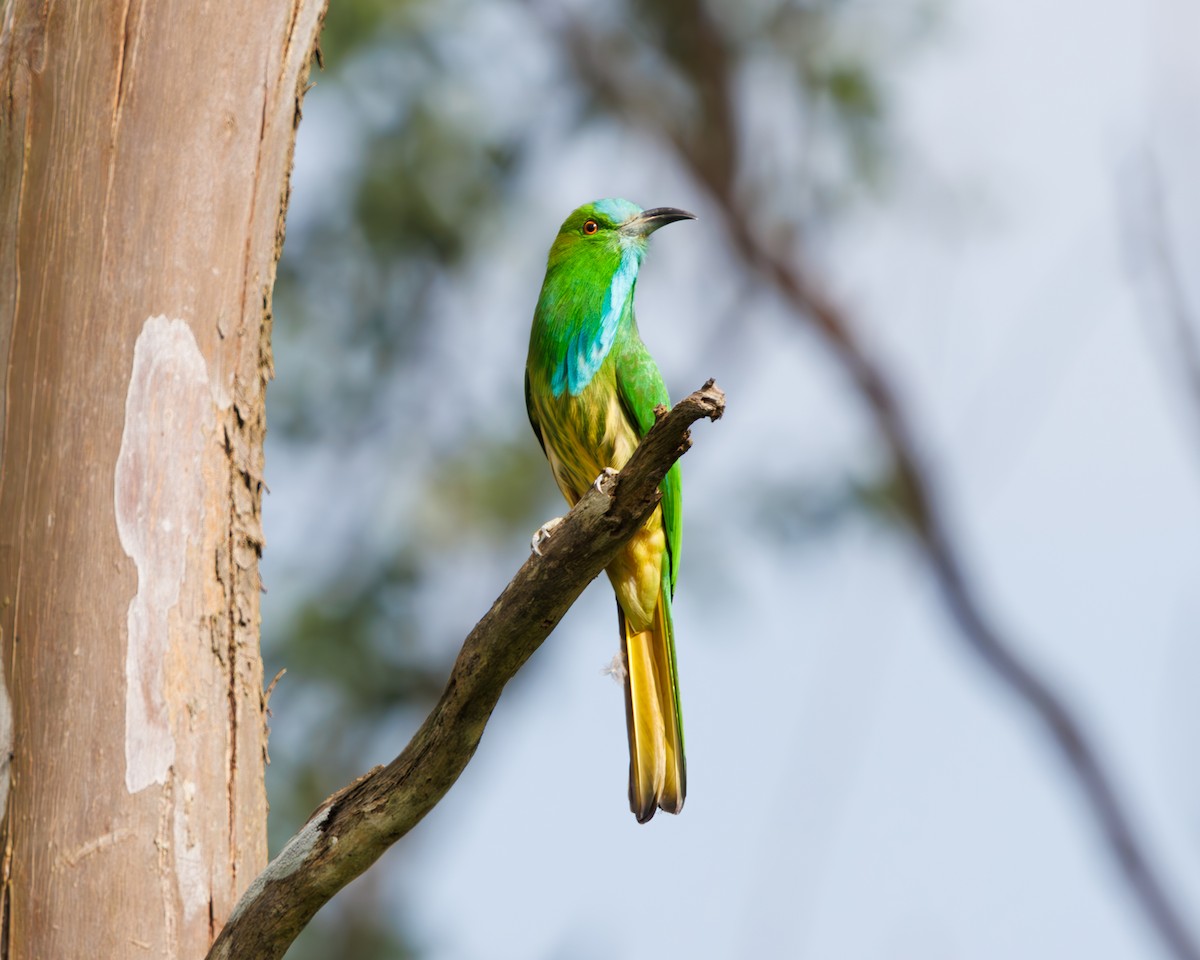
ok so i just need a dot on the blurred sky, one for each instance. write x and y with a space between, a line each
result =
858 786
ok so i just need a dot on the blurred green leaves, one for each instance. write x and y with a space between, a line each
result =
352 25
458 172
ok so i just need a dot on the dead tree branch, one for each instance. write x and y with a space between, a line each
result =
351 829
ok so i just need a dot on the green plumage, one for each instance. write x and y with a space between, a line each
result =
591 388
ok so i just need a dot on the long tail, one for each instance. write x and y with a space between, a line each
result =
657 768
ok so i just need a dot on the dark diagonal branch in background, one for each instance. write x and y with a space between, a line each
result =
692 134
351 829
932 530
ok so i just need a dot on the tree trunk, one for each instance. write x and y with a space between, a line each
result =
144 158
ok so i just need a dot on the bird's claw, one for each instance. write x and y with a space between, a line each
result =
604 475
543 534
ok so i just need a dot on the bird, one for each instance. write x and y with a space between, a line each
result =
591 388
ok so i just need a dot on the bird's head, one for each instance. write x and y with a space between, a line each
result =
590 277
610 233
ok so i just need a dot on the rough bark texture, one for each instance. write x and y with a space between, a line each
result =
144 156
352 828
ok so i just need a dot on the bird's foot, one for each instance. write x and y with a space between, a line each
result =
543 534
604 475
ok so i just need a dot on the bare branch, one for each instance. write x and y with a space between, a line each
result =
351 829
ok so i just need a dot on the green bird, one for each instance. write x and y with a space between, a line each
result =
591 387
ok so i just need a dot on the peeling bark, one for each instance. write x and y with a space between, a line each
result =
145 151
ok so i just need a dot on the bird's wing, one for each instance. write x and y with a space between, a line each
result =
640 388
533 421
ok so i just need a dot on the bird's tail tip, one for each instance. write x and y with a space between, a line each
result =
657 768
644 808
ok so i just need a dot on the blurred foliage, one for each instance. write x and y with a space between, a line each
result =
800 515
352 26
378 666
457 171
430 162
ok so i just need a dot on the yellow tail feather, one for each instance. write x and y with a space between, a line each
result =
657 769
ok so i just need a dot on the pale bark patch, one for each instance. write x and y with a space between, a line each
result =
159 493
6 740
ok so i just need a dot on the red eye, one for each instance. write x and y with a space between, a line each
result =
590 227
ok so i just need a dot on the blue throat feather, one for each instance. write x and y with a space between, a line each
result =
586 351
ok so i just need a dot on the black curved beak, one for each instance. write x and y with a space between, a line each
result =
650 220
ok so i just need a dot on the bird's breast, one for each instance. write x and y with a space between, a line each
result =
585 434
